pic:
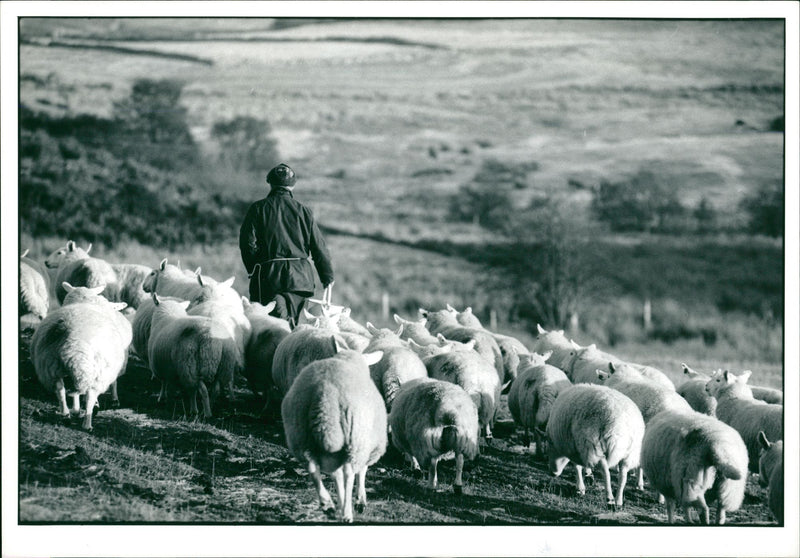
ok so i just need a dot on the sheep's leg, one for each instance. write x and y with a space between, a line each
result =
114 395
361 502
349 478
458 484
432 480
623 479
581 485
201 387
325 501
162 395
687 510
76 403
338 477
61 394
671 511
640 479
607 478
720 514
526 439
489 436
416 470
91 400
660 498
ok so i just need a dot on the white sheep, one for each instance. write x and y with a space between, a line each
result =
593 425
354 341
416 330
532 394
693 459
561 348
400 364
770 474
510 347
690 458
266 334
736 407
171 280
76 267
432 420
767 394
693 390
82 348
444 322
305 344
335 422
34 288
465 367
194 352
585 361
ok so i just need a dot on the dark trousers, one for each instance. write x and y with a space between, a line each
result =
289 306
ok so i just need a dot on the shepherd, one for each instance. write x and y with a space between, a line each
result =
277 237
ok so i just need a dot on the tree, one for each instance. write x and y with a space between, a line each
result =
644 202
765 209
705 215
245 143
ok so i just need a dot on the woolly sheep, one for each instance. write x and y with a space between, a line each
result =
510 347
354 341
77 268
444 322
562 349
690 458
82 348
532 395
767 395
693 390
468 369
194 352
651 398
594 425
34 288
416 330
585 362
305 344
335 422
170 280
736 407
142 322
770 474
399 364
266 334
432 420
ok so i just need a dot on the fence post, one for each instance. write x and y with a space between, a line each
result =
492 319
647 315
385 306
574 322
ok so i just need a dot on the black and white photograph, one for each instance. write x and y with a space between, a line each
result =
400 279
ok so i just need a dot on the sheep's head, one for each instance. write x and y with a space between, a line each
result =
81 294
770 456
425 351
218 292
693 374
68 252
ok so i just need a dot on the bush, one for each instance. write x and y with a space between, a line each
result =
245 143
765 209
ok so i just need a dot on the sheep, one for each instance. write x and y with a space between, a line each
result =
467 368
399 364
510 347
196 352
444 322
77 268
689 456
34 288
81 347
266 334
693 390
654 375
594 425
416 330
354 341
432 420
305 344
770 474
170 280
335 421
531 396
767 395
349 325
562 349
584 363
736 407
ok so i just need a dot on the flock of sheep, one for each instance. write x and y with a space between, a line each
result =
432 386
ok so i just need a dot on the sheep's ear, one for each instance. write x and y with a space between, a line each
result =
317 322
199 279
744 376
399 320
245 302
685 369
25 253
506 388
547 355
198 270
602 375
441 338
70 246
155 298
611 367
763 441
399 331
185 304
467 310
592 347
89 248
423 321
560 332
270 306
413 344
470 344
574 344
67 287
227 282
309 316
163 265
372 329
450 308
423 312
373 357
729 377
96 290
345 313
540 329
119 306
337 347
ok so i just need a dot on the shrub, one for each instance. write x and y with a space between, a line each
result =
765 209
245 143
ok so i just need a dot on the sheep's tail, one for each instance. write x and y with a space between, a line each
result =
727 460
449 439
485 404
454 437
327 424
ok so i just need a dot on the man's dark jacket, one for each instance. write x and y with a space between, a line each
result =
279 234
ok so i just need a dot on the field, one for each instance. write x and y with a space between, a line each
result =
384 123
